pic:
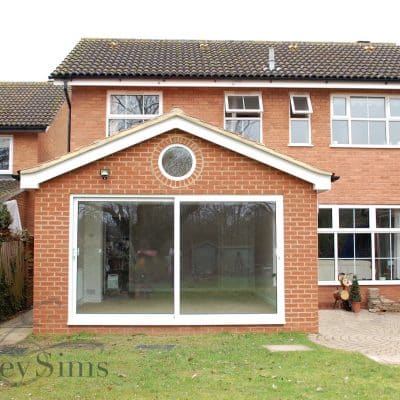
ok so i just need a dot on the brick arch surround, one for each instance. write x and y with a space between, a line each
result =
220 172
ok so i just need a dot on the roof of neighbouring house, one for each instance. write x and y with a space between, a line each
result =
210 59
29 105
175 119
9 187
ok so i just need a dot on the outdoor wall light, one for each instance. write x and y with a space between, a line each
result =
104 173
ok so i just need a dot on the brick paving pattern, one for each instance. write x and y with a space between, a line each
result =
376 335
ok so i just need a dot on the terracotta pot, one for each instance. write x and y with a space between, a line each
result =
356 306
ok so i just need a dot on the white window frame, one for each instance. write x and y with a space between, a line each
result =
293 107
11 157
292 110
131 116
176 318
227 109
335 230
387 119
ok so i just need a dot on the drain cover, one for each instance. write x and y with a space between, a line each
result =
155 347
12 351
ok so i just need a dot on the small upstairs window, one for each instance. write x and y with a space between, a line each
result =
243 115
300 111
127 110
6 153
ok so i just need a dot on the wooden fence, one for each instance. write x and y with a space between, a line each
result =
16 275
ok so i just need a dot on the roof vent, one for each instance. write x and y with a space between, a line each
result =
203 45
293 46
271 59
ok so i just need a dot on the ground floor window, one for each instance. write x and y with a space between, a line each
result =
200 260
359 240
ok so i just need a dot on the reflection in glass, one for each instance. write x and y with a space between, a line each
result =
394 132
339 106
249 128
4 154
325 218
377 132
340 132
125 261
177 161
387 253
359 132
359 107
228 261
299 130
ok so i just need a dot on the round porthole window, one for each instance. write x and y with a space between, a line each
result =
177 162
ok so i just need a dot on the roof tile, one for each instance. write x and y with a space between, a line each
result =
29 104
140 58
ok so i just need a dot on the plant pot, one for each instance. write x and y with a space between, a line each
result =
356 306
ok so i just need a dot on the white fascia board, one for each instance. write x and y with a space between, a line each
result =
32 180
231 83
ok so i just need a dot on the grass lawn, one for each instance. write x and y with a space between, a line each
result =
218 366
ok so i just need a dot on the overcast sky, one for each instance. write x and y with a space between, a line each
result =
35 35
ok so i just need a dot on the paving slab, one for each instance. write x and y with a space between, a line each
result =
376 335
286 347
16 329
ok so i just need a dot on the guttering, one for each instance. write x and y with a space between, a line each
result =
69 116
231 83
16 129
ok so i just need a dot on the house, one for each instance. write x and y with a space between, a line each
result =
202 189
32 130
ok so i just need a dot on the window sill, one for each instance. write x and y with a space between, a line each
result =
300 145
367 146
362 283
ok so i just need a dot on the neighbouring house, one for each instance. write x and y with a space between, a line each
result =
32 130
201 192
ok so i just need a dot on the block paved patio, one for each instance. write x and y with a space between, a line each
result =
376 335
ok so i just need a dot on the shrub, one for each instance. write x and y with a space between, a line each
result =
355 294
5 217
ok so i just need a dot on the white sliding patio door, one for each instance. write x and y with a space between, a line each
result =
183 260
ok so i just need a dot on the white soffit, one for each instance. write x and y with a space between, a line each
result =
31 178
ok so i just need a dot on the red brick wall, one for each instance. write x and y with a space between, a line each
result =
359 182
53 142
325 294
25 151
132 172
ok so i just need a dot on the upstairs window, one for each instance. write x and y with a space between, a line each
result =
365 121
243 115
127 110
300 111
6 153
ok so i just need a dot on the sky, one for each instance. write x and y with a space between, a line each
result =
36 35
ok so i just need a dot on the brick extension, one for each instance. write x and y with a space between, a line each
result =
223 172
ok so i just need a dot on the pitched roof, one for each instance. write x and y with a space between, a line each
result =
29 105
175 119
8 188
135 58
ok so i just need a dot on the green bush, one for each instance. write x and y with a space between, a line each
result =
5 217
355 294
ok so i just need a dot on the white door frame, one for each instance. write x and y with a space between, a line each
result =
176 318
